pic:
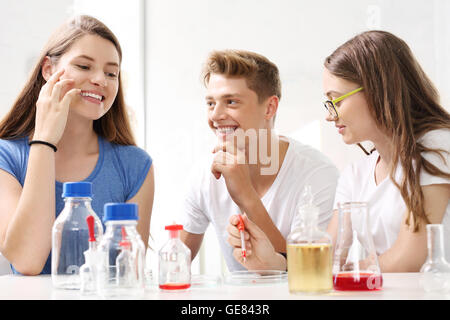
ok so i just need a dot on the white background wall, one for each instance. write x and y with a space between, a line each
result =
168 47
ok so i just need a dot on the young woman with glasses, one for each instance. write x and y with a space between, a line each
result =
378 92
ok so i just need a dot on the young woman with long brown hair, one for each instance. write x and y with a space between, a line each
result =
69 123
378 92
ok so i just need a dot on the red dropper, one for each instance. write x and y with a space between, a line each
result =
90 222
241 228
124 243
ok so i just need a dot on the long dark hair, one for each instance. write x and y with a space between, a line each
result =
20 121
403 102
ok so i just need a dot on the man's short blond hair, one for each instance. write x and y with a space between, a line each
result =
261 74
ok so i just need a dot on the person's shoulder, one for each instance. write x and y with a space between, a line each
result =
128 152
14 145
437 139
306 154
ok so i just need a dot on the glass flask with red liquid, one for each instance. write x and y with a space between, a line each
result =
174 262
355 264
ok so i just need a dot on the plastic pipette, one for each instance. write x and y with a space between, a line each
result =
241 228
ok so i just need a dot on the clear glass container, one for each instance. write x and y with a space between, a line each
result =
174 262
255 277
121 254
355 265
88 274
309 252
151 264
436 270
70 235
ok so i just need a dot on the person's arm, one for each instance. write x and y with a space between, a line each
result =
144 198
261 255
333 225
27 214
409 251
192 241
235 171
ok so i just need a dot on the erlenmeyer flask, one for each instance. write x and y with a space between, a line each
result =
355 265
436 270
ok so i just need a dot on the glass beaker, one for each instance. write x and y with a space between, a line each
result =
174 262
436 270
355 265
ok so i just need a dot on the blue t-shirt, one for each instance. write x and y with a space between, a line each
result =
117 177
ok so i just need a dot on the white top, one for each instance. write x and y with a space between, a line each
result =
386 205
208 200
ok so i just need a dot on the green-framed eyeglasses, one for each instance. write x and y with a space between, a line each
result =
330 105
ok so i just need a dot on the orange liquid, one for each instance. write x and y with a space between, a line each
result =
350 282
175 286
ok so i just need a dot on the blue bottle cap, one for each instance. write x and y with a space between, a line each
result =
77 189
120 211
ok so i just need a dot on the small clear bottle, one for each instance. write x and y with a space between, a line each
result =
436 270
88 271
88 274
121 254
125 264
70 234
174 262
309 252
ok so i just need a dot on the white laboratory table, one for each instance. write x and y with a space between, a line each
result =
403 286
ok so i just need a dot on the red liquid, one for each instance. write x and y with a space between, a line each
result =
175 286
349 282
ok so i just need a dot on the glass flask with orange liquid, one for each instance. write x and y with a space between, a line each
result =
355 265
174 262
309 252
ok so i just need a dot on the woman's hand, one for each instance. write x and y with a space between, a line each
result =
52 108
261 255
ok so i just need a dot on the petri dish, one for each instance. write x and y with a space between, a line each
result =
205 281
256 277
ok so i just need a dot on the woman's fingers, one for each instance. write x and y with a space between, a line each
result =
68 97
48 87
59 86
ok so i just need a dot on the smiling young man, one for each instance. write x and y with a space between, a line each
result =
253 170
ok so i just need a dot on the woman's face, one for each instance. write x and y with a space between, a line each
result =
355 123
94 64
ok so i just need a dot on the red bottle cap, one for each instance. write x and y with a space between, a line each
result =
174 227
173 230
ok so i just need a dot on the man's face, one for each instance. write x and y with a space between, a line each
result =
232 105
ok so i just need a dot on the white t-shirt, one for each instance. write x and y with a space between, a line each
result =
208 200
386 205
